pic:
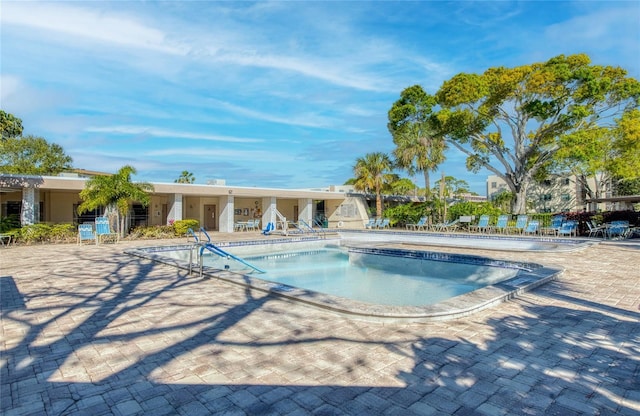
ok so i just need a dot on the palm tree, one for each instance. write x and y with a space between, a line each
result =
186 177
373 172
419 149
115 193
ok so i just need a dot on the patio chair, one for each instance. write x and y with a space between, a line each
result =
482 225
86 233
447 226
521 224
251 225
415 226
594 230
556 223
618 229
386 223
104 232
376 223
532 227
501 224
5 239
569 228
370 223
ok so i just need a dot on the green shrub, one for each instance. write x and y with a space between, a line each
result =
63 233
35 233
473 208
405 213
181 226
8 223
152 232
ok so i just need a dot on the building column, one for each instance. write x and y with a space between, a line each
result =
227 205
268 211
29 214
305 210
175 207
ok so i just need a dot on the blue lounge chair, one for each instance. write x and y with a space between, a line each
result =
501 224
521 224
447 226
532 227
483 224
420 224
618 229
103 231
386 223
370 223
569 228
556 223
86 233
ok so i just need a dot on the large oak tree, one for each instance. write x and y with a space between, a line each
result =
510 121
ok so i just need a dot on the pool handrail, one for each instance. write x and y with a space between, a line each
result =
313 230
217 250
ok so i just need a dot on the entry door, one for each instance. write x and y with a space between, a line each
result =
295 213
210 218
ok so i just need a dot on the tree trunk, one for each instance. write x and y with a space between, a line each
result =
378 204
427 184
519 204
122 224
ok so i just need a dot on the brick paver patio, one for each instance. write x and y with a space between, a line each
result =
88 330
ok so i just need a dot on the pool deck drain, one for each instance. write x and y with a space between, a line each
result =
89 330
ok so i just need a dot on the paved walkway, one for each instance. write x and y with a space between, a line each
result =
88 330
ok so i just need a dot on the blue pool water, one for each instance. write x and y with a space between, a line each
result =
391 279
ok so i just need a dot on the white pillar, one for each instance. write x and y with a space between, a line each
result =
268 211
227 205
30 206
305 210
175 207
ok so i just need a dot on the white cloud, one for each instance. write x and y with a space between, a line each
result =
157 132
216 154
87 24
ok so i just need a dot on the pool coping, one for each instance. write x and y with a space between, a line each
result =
409 237
452 308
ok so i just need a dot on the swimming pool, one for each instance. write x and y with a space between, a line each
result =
465 283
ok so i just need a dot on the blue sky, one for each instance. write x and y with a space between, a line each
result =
270 94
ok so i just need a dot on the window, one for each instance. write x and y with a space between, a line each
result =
565 197
494 185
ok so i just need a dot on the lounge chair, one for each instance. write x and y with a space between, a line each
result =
104 232
420 224
569 228
386 223
376 223
447 226
86 233
370 223
556 223
5 239
482 225
532 227
521 224
594 230
618 229
501 224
